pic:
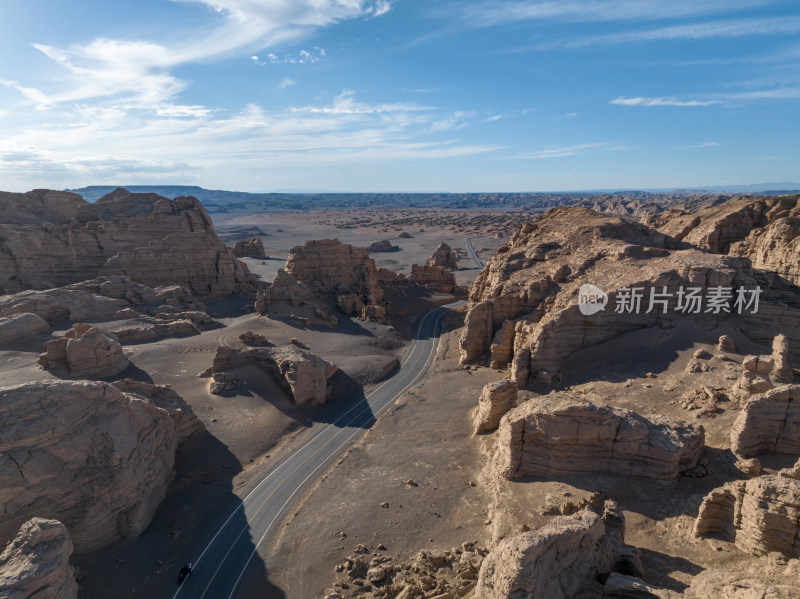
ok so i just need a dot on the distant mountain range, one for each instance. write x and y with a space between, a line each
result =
216 200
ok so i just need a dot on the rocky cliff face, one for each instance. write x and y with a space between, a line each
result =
528 291
562 434
765 230
769 423
84 453
324 271
35 564
559 561
760 515
59 239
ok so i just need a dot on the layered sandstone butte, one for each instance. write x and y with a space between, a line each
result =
558 561
87 353
23 324
305 375
251 247
166 398
769 423
526 298
443 256
730 584
760 515
765 229
561 434
84 453
323 271
496 399
35 563
60 239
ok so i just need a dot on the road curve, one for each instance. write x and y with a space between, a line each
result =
471 252
221 565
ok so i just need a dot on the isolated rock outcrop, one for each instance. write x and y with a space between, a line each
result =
321 271
769 423
144 331
443 256
150 237
251 247
84 453
558 561
305 375
562 434
21 325
86 352
35 563
760 515
436 278
496 399
383 246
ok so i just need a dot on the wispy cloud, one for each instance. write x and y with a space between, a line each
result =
302 57
705 144
558 152
287 83
487 14
640 101
139 71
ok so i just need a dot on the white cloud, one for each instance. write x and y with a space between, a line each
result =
493 118
661 102
139 71
486 14
559 152
381 8
302 57
571 115
705 144
287 83
345 103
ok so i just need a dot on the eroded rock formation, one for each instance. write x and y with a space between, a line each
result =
558 561
20 325
383 246
322 271
86 352
496 399
533 282
35 564
443 256
561 434
251 247
305 375
759 515
149 237
84 453
769 423
436 278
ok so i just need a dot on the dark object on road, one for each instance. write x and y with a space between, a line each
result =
185 572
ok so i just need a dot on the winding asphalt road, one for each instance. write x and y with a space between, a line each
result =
472 255
221 565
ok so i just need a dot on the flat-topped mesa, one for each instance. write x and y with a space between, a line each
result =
85 453
251 247
35 563
86 352
325 270
443 256
562 434
524 305
760 515
151 238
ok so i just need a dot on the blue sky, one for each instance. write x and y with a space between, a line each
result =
399 95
